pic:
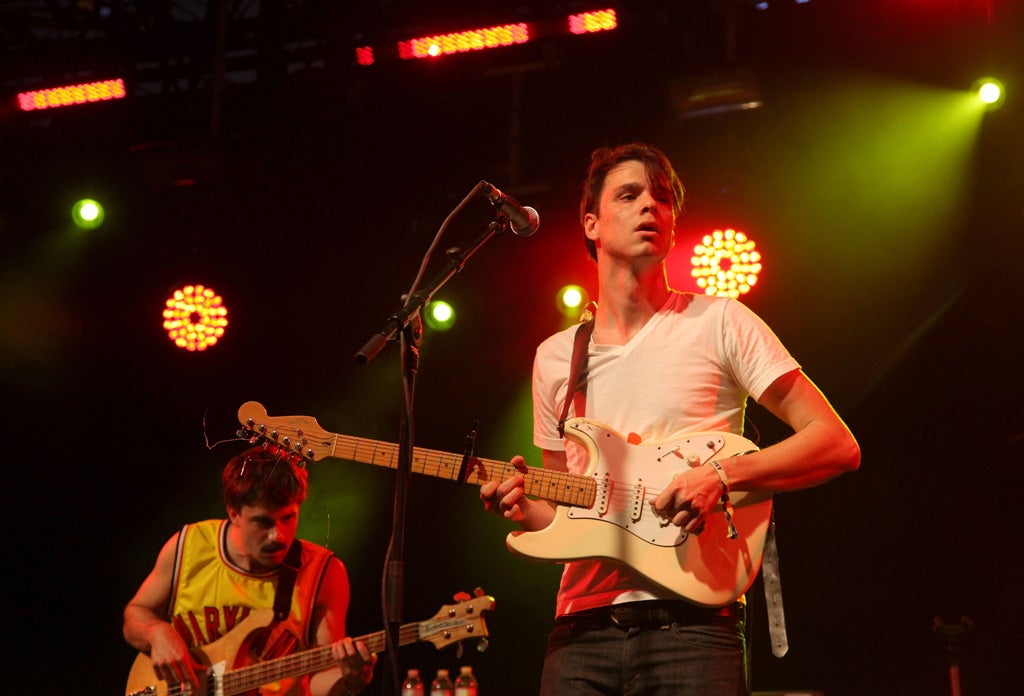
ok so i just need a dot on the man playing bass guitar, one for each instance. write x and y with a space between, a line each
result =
212 575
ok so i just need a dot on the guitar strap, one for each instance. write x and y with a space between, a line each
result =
286 581
576 366
773 593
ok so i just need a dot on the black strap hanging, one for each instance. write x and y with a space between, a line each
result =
579 359
286 581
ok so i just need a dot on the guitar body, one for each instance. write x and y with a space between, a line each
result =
707 569
228 652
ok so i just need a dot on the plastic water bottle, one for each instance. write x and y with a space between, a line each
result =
413 685
465 683
442 684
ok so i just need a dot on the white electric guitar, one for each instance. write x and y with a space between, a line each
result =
605 513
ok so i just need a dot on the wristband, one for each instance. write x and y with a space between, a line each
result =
721 476
726 503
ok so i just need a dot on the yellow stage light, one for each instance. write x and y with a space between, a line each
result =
195 317
990 91
726 263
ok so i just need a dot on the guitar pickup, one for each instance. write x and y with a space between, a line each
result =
604 494
636 500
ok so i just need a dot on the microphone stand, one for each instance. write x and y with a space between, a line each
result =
406 323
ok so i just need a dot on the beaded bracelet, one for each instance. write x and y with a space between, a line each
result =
726 503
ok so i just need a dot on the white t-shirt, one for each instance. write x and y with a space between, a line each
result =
689 369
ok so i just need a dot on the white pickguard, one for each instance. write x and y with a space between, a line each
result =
707 569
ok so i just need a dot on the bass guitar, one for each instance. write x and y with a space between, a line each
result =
227 659
604 513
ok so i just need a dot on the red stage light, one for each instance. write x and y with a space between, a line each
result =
364 55
462 41
588 22
70 95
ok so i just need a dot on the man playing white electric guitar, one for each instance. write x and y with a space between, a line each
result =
659 364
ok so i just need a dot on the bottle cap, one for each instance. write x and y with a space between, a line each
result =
466 669
413 673
442 673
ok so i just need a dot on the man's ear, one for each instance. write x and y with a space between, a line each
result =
234 515
590 227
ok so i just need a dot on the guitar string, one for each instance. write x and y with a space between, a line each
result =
297 664
445 465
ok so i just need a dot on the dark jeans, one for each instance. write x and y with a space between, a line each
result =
689 651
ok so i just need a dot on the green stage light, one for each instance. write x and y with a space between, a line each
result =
87 214
440 316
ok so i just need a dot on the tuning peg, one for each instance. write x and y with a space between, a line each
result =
481 645
479 592
462 597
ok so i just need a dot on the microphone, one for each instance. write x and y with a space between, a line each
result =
524 219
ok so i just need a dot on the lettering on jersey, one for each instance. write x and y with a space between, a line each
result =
216 621
231 616
197 631
182 629
212 623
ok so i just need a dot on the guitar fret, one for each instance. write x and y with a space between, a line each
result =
441 461
388 454
249 678
563 487
301 663
559 487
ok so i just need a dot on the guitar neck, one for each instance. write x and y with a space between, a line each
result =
556 486
298 664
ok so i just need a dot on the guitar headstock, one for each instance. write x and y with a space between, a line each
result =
300 436
458 622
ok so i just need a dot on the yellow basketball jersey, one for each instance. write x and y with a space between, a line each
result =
210 595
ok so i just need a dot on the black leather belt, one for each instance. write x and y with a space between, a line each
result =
653 613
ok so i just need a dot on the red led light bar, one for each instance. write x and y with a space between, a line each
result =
462 41
71 95
364 55
589 22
